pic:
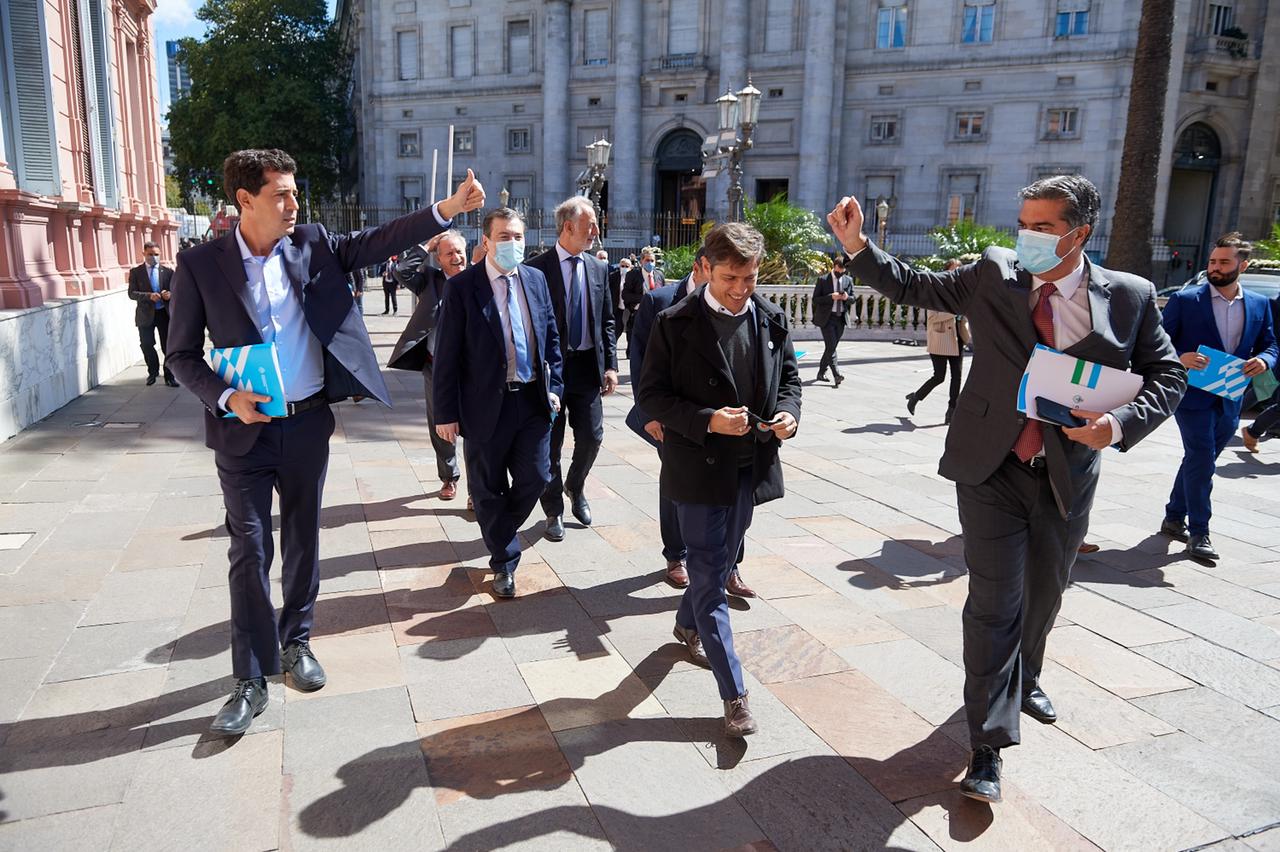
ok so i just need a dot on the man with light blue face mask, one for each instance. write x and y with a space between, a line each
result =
1024 488
498 383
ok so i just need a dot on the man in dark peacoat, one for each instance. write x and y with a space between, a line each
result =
149 287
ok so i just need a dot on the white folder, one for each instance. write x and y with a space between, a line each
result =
1074 382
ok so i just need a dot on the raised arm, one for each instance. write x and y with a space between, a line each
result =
1164 379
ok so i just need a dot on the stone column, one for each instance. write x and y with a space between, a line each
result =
815 111
555 104
1169 133
840 182
624 163
735 28
1254 215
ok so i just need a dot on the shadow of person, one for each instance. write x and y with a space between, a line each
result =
334 517
904 424
1249 466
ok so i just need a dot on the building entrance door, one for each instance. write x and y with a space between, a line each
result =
1189 213
680 194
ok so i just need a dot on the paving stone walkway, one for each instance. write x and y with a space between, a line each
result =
569 718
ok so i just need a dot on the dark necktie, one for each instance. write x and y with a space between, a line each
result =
835 288
1031 441
575 306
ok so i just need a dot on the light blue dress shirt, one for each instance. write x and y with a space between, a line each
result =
1228 315
153 275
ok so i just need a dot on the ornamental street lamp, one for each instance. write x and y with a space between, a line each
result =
738 117
503 197
882 217
591 181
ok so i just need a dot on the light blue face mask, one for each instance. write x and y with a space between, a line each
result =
1037 252
647 266
509 254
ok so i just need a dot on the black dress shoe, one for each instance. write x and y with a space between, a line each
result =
1175 529
151 380
911 403
1201 548
1038 706
839 378
983 781
171 381
504 584
578 505
822 376
247 700
303 667
555 528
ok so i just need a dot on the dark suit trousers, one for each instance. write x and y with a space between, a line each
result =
714 536
519 447
583 410
831 334
1019 551
1266 421
147 337
291 457
940 365
446 453
1205 432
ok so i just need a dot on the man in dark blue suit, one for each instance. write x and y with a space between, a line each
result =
579 288
497 383
1224 316
267 281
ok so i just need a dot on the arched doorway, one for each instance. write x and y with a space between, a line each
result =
679 192
1189 212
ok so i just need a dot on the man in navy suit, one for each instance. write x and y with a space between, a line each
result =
1222 315
497 383
269 280
579 289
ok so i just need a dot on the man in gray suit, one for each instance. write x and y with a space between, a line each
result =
1024 488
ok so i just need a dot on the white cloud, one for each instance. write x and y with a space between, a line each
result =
175 13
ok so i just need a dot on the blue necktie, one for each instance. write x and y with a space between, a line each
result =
575 306
524 372
155 285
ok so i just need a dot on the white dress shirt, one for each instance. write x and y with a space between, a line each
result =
721 309
500 299
579 270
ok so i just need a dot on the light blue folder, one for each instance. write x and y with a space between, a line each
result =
254 368
1223 376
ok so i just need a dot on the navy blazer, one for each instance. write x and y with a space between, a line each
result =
600 306
211 290
469 369
652 303
1188 320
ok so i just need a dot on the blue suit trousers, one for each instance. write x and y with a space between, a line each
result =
1205 432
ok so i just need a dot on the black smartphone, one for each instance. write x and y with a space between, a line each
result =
759 422
1056 412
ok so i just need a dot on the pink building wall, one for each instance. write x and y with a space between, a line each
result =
53 247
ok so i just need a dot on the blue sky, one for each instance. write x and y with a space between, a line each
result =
176 19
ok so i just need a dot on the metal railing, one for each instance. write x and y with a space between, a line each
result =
868 311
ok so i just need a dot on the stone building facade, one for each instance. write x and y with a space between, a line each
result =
81 189
943 107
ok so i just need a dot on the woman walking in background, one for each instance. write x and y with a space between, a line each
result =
946 334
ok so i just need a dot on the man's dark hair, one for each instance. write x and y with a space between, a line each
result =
733 242
699 254
506 214
1079 193
150 245
1234 240
247 169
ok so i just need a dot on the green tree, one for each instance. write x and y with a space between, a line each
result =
269 74
966 237
678 261
790 234
1269 248
172 191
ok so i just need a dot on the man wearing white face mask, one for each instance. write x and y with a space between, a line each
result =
1024 488
149 287
497 383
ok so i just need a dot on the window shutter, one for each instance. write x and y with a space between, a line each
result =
682 32
596 50
778 25
99 99
34 142
461 51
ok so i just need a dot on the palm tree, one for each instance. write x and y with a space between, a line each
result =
1130 248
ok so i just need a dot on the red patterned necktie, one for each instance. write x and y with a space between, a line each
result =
1031 439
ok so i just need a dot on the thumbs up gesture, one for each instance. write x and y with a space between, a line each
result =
470 196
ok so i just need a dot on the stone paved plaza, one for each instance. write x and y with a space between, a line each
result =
569 718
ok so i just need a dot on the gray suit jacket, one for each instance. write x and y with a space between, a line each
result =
994 294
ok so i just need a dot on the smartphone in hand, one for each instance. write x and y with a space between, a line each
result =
1056 412
759 422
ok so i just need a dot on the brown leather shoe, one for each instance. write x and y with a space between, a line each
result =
1088 547
738 721
1250 442
448 490
676 573
693 642
736 587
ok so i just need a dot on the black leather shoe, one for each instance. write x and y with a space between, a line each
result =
1201 548
247 700
555 528
151 380
822 376
504 584
303 667
911 403
1175 529
171 381
578 505
839 377
1038 706
983 781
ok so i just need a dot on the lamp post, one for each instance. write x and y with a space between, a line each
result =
593 178
738 116
503 197
882 218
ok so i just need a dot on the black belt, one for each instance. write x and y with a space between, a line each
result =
316 400
519 386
